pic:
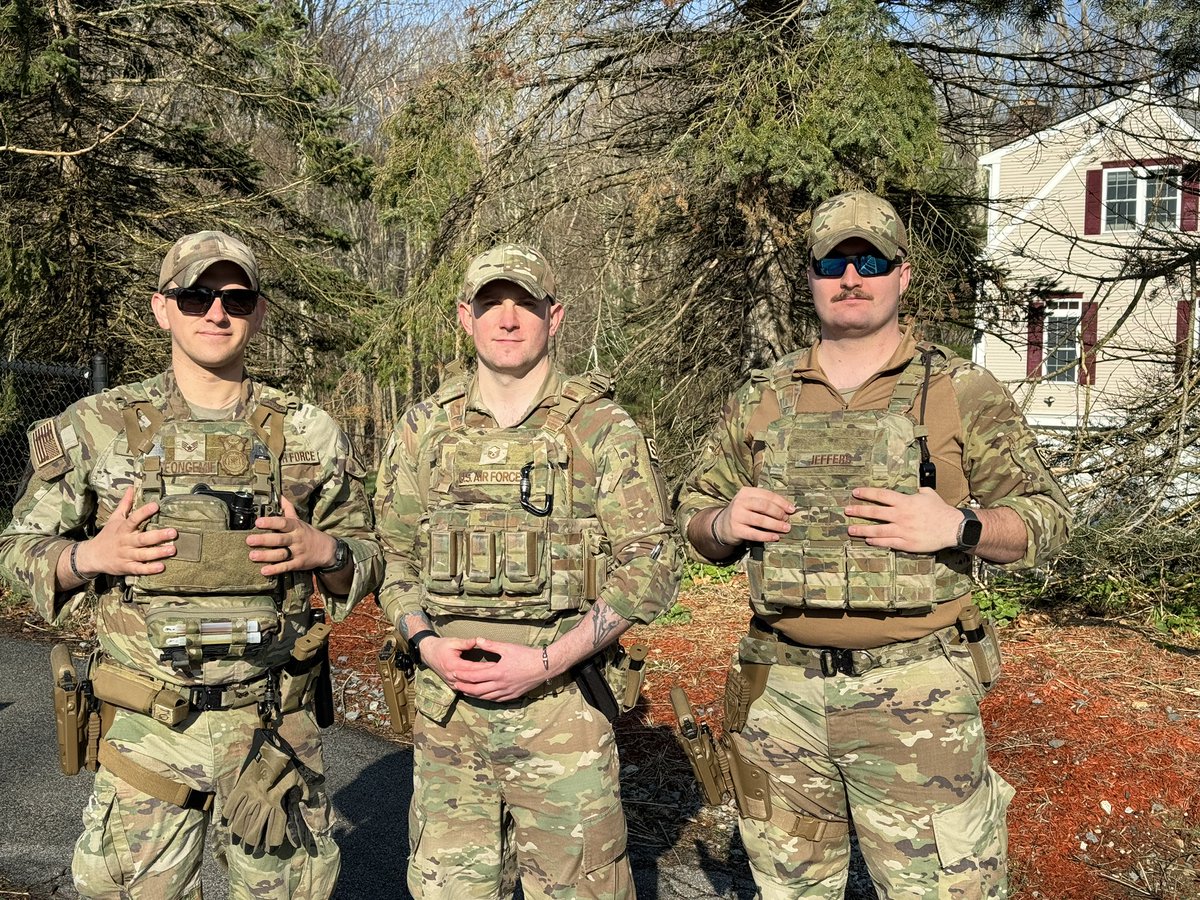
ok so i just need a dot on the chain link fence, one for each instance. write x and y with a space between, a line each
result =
30 391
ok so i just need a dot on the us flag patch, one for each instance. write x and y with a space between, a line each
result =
45 446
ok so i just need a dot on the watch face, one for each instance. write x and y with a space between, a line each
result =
972 531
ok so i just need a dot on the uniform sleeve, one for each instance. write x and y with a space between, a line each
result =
398 513
54 509
632 506
1003 466
341 509
726 463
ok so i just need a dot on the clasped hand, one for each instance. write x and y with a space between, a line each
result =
518 670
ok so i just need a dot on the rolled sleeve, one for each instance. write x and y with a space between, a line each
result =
1004 467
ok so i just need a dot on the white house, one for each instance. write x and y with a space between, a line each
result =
1093 219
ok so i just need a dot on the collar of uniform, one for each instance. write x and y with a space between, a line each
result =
807 368
177 405
547 395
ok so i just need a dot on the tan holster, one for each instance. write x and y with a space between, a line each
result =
396 668
979 635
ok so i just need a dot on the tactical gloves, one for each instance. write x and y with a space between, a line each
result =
264 806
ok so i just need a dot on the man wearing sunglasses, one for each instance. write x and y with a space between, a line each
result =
199 504
859 478
525 528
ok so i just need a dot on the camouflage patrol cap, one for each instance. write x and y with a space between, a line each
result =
519 263
858 214
186 261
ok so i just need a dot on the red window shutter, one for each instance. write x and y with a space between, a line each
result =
1187 207
1093 201
1087 336
1183 321
1036 337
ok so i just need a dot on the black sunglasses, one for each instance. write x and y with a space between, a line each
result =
196 301
868 265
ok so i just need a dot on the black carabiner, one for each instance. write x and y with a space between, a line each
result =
526 486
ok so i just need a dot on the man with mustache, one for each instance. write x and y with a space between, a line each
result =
859 478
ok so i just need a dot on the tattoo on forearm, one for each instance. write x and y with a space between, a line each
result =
604 622
422 624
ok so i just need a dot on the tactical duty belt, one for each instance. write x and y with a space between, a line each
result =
766 644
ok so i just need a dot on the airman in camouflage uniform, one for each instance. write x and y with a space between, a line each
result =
846 473
525 528
104 474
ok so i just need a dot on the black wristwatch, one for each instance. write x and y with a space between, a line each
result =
341 556
969 531
414 643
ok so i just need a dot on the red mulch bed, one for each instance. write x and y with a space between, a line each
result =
1095 725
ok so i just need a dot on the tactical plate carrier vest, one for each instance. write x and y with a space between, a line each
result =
501 538
816 459
211 479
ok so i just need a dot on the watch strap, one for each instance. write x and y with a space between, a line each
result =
341 556
414 642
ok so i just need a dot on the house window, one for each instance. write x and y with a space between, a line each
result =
1138 196
1061 340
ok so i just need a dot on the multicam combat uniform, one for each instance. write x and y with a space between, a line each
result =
889 733
462 547
82 465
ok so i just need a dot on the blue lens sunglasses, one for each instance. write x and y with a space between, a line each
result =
868 265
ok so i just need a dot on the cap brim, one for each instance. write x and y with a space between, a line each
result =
191 274
826 245
530 285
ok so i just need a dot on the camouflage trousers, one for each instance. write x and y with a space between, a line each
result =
536 780
136 846
900 751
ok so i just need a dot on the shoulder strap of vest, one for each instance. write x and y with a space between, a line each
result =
577 391
452 396
915 377
267 420
787 388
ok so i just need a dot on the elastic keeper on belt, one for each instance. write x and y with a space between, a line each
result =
808 827
157 786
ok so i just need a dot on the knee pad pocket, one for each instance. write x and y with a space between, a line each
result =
604 838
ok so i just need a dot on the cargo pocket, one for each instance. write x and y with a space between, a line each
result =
977 827
604 839
416 827
435 698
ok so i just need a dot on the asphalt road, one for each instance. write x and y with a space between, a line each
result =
370 780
